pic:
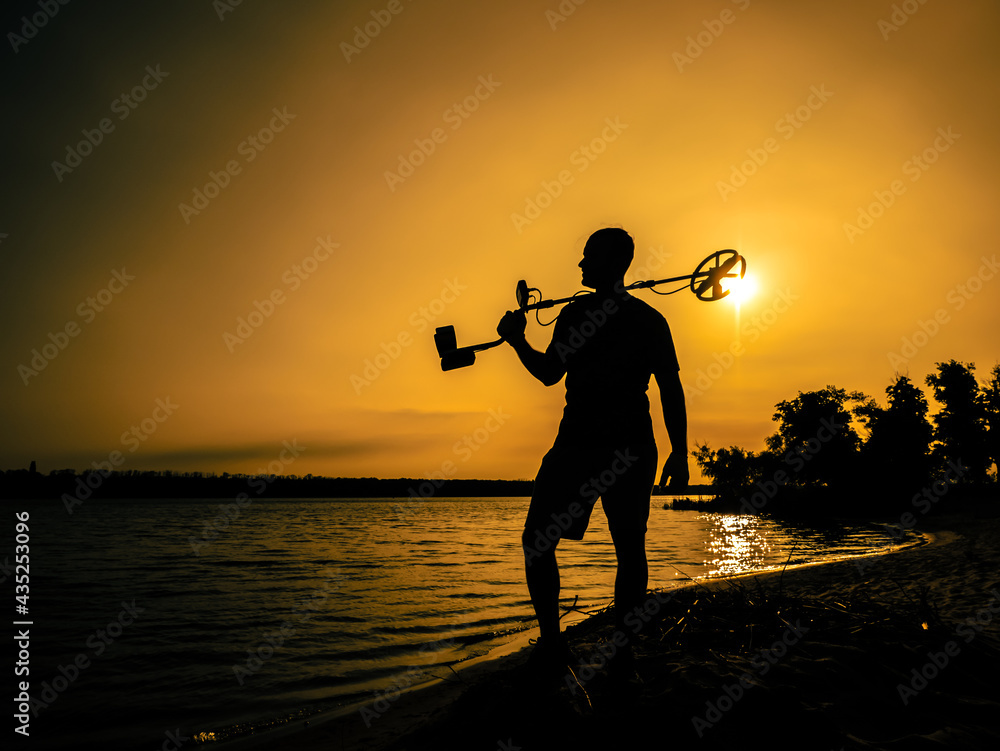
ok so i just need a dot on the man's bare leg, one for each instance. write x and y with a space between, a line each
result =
632 577
542 574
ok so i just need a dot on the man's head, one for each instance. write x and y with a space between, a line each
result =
606 258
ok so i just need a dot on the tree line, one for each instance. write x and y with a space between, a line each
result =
848 447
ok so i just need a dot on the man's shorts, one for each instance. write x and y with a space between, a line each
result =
572 478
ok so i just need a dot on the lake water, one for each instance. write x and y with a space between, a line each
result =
298 605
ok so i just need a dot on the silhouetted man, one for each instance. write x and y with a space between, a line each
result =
607 344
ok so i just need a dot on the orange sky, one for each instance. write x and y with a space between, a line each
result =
760 126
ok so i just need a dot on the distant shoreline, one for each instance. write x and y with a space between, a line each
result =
96 484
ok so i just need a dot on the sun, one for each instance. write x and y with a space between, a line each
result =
740 290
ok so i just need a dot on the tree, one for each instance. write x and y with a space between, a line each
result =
896 456
732 471
991 404
815 438
961 425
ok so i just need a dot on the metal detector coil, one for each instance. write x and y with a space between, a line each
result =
710 289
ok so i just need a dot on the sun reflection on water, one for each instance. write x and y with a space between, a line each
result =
736 543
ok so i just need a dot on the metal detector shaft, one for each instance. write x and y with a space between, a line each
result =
654 282
484 345
544 304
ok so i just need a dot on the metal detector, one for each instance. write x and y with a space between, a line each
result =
705 283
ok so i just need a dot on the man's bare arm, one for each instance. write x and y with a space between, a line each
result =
545 366
675 418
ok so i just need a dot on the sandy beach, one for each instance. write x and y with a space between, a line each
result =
898 651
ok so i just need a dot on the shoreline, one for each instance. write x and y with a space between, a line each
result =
415 710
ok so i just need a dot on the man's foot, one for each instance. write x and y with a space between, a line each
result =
550 656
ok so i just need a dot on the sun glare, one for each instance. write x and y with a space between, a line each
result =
740 290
